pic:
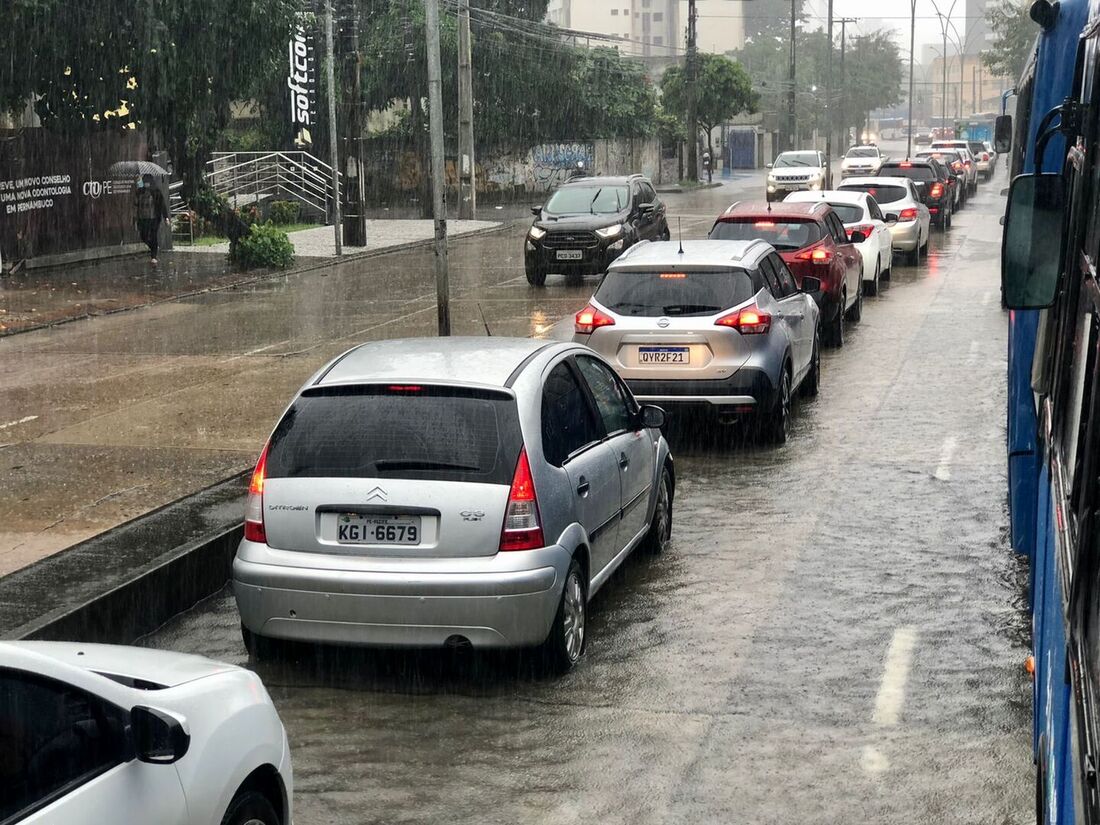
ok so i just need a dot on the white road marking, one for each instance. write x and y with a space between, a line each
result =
22 420
895 674
873 761
972 356
943 470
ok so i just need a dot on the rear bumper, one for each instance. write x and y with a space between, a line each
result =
745 391
905 236
506 600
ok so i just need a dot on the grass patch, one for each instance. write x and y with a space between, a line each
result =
211 240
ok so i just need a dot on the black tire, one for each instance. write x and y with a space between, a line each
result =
886 273
871 287
834 332
656 541
536 276
260 648
811 384
562 648
776 428
924 246
949 220
913 258
855 314
250 807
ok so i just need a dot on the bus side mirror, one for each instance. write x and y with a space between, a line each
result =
1002 134
1031 251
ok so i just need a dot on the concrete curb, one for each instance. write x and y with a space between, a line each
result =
316 263
679 190
123 584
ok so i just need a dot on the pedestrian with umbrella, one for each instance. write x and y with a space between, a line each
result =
149 210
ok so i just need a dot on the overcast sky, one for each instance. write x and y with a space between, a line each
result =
894 15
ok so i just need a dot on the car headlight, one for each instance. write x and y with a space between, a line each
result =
615 247
816 184
610 231
536 233
771 187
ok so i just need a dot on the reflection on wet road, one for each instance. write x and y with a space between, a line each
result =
835 636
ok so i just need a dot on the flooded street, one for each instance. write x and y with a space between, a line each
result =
836 635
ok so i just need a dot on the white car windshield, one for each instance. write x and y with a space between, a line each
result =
789 159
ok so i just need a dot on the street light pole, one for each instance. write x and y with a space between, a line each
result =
912 46
791 126
829 100
439 201
467 170
691 76
333 143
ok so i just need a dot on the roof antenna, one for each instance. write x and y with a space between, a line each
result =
488 331
680 232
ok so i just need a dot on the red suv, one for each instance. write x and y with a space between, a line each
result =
812 241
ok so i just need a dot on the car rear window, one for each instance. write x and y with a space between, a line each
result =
784 234
882 193
653 294
916 171
848 212
862 152
975 148
398 431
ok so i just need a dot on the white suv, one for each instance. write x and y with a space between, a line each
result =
862 160
963 148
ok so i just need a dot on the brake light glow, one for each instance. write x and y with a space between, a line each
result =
985 156
254 505
764 224
673 276
748 321
404 388
866 229
590 318
817 255
909 214
937 190
522 529
905 164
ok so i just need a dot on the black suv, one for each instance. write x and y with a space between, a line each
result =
931 182
588 222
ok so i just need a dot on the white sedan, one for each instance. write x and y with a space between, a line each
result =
860 213
93 734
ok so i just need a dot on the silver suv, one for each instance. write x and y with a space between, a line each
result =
432 492
717 325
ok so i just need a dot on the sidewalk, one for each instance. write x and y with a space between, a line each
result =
43 297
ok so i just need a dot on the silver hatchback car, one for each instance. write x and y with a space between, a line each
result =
433 492
717 325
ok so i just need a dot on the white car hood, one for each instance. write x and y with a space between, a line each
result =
158 666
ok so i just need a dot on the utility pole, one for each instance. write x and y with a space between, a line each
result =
791 125
829 99
974 90
912 46
355 218
439 198
691 77
844 21
334 162
467 171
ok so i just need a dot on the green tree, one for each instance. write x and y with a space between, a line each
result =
873 78
1013 38
723 90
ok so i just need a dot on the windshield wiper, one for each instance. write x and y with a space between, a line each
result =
419 464
684 309
592 211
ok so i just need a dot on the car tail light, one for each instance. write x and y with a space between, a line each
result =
985 156
936 191
909 214
589 318
522 529
254 505
747 321
906 164
818 255
865 229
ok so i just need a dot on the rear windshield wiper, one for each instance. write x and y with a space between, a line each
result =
399 464
684 309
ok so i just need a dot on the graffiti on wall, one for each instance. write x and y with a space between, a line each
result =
554 162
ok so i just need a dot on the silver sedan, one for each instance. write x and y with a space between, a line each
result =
907 216
443 492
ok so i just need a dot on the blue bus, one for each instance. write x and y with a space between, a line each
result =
1049 283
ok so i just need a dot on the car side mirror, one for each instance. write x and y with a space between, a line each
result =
647 208
158 737
891 218
768 165
652 417
1002 133
536 211
810 284
1031 251
858 237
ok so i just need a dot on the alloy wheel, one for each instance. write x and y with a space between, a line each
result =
574 617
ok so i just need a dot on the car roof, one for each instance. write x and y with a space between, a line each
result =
827 195
782 209
648 256
605 180
483 361
885 180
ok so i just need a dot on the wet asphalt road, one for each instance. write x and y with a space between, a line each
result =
836 635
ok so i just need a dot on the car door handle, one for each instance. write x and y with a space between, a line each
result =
583 487
624 462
